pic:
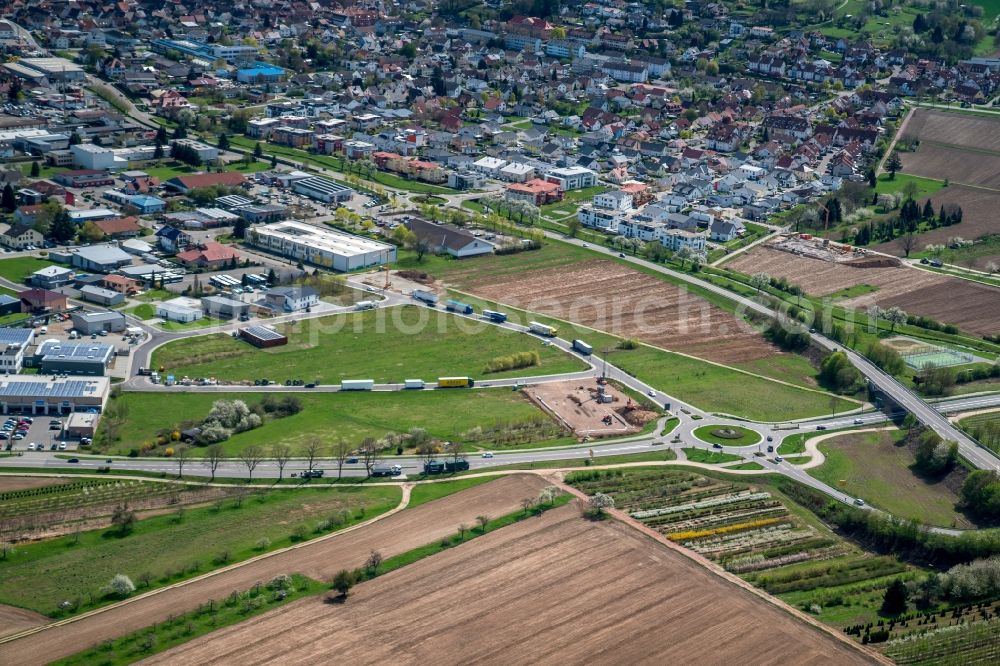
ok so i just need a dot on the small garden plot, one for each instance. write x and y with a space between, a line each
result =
741 527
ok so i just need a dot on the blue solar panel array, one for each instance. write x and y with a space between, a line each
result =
67 389
263 333
15 336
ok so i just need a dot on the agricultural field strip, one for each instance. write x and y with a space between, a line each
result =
709 560
403 502
319 559
662 349
555 569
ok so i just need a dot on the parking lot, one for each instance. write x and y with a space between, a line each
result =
38 433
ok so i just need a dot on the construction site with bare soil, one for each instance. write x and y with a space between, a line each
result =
557 589
590 410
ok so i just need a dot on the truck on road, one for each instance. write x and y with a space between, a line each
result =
542 329
424 296
455 382
583 347
458 306
357 385
387 470
436 467
493 315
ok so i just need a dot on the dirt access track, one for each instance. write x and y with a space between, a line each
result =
973 307
611 297
557 589
396 534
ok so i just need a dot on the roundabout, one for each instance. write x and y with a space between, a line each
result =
727 435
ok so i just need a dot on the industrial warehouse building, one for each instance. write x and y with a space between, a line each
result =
57 357
263 336
176 310
224 308
322 189
323 247
89 323
39 394
101 296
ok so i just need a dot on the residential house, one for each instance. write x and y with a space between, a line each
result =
291 299
19 236
446 238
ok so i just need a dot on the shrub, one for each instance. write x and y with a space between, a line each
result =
525 359
121 586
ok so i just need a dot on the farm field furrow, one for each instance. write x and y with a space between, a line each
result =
976 132
396 534
959 165
970 306
655 606
622 301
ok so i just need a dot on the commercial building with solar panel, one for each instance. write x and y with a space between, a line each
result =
263 336
40 394
57 357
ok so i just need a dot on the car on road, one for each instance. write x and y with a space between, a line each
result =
778 459
31 447
73 460
487 454
770 439
651 394
621 254
352 461
821 427
716 446
770 449
584 245
858 421
859 502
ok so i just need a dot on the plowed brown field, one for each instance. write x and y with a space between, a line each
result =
396 534
960 129
957 164
611 297
553 590
9 483
13 620
973 307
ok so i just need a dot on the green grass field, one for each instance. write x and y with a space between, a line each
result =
39 576
387 345
144 311
167 170
709 457
204 322
875 468
17 269
329 416
925 186
745 436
